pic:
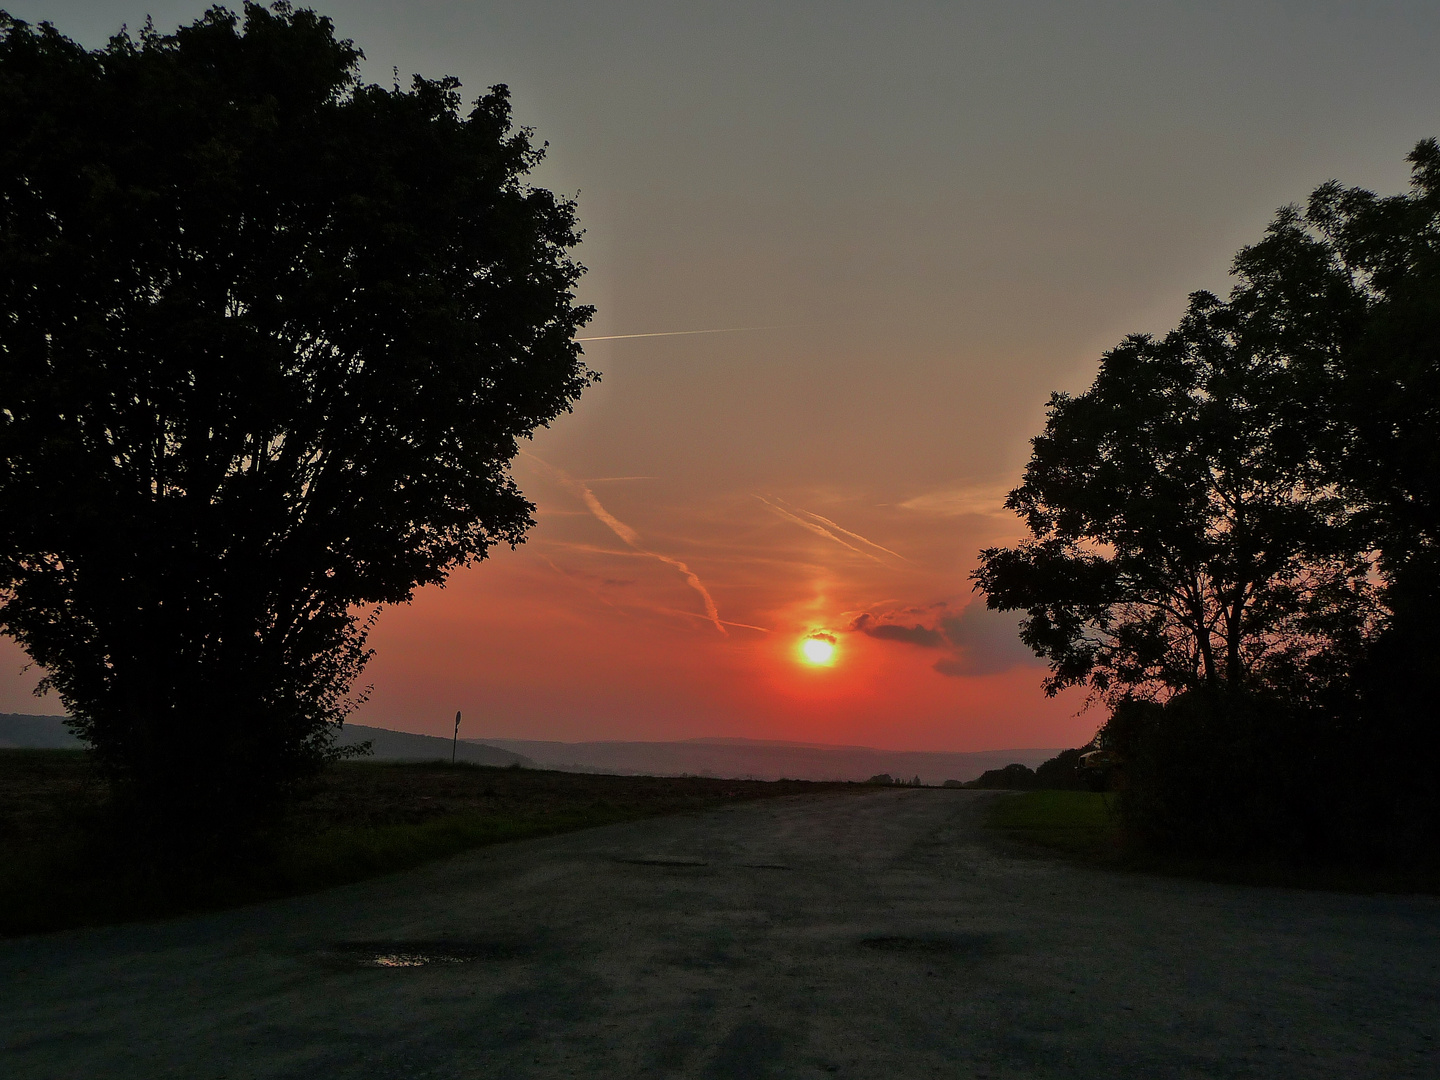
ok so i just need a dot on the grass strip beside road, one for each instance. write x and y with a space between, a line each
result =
1078 824
358 820
1082 826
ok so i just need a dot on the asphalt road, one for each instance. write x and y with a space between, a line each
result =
879 935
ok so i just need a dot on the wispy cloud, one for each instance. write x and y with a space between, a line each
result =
823 526
632 538
727 622
585 581
677 333
853 535
598 586
987 499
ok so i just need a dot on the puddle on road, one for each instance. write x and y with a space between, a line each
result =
410 959
937 944
662 860
413 954
684 862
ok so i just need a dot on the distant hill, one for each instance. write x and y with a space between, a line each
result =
766 760
19 731
732 758
390 745
49 733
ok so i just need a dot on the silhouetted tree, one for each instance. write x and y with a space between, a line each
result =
1013 777
1349 286
1177 539
1066 772
1361 275
1235 540
268 337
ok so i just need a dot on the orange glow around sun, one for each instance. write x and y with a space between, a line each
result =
818 649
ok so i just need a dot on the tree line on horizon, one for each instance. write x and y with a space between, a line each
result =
1234 543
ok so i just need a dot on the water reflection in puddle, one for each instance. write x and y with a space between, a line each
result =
394 960
413 954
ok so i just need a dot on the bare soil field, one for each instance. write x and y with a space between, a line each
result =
883 933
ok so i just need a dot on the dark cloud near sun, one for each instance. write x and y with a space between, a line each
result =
924 636
979 641
986 642
913 635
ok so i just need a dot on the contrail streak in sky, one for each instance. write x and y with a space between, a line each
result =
677 333
821 526
632 538
578 579
818 530
581 582
727 622
852 535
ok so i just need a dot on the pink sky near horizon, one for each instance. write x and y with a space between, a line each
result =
578 635
942 213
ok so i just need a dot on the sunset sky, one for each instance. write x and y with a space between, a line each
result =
912 221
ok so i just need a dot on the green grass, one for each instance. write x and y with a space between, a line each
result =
1078 824
1082 826
358 820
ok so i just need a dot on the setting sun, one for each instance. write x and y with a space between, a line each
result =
819 649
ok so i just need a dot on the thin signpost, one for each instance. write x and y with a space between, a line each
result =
455 742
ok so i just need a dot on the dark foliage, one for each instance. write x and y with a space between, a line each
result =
1013 777
1214 771
268 337
1179 540
886 778
1391 755
1066 772
1235 543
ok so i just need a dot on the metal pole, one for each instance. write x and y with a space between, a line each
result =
455 742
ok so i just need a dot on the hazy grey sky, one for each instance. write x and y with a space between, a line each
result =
949 210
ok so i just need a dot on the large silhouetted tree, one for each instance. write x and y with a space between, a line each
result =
1178 539
268 337
1349 287
1235 537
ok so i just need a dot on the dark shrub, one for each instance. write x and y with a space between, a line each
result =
1393 753
1013 777
1212 772
1066 772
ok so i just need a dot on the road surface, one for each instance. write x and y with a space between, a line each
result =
879 935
